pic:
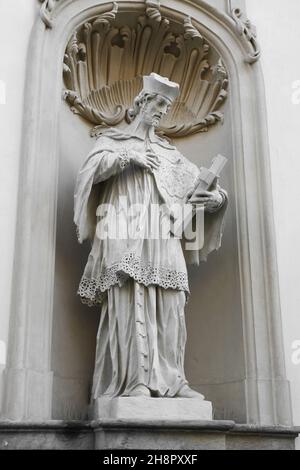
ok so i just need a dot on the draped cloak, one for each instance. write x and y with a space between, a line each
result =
102 180
140 281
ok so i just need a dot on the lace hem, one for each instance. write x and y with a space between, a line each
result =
92 290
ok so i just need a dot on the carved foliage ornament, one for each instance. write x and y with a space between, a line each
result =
242 25
46 11
107 56
247 30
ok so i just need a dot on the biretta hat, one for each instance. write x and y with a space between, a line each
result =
154 83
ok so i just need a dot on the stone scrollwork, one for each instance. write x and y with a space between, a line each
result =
153 11
46 11
190 32
107 56
247 30
107 17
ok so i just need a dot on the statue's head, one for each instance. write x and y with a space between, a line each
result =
155 100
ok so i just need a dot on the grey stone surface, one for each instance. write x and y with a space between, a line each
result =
155 434
252 437
149 409
259 442
51 435
159 440
214 435
158 434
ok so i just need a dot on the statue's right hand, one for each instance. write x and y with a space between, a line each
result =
148 160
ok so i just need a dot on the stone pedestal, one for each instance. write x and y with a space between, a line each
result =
151 409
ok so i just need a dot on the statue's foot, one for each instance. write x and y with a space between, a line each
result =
140 391
187 392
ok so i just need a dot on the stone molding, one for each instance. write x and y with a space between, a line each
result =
137 434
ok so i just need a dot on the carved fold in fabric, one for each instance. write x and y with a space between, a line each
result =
135 323
92 291
151 260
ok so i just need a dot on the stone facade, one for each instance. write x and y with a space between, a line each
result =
39 385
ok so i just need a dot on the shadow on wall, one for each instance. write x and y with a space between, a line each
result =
74 324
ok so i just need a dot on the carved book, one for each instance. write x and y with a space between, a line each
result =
206 178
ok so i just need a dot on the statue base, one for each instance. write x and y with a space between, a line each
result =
151 409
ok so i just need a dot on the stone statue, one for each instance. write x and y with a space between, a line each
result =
140 282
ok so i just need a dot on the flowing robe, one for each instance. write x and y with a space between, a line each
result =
140 280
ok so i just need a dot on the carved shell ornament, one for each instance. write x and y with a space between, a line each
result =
107 56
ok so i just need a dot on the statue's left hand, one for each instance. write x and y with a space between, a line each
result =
212 200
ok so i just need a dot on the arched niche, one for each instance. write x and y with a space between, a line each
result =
234 351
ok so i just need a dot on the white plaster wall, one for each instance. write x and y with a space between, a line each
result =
279 36
16 20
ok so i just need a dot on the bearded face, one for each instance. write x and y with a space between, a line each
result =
153 110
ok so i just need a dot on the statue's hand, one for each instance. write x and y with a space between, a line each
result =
148 160
212 200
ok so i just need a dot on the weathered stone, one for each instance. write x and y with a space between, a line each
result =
139 434
150 409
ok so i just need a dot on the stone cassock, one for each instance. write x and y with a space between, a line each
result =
139 279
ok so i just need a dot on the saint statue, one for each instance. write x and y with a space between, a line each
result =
140 282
